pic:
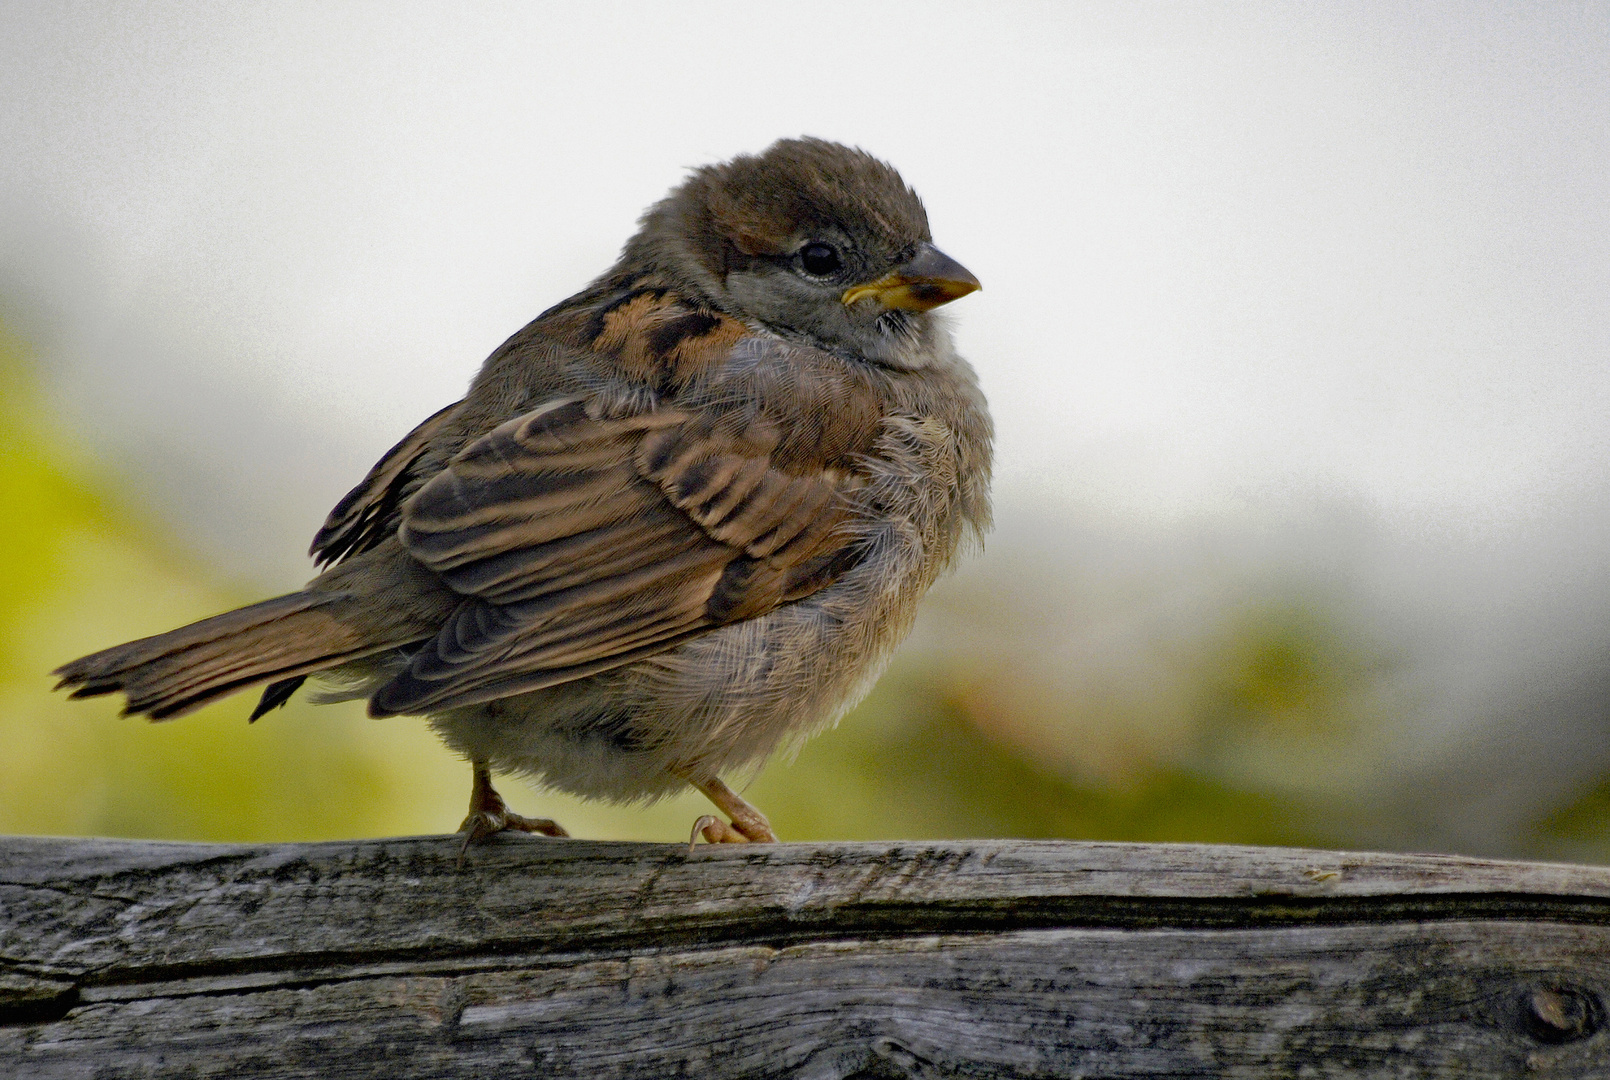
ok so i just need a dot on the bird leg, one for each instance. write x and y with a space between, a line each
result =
490 815
748 824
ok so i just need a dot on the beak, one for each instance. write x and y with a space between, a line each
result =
921 283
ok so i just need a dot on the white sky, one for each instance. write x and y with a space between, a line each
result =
1235 257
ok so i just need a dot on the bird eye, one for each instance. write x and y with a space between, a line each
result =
819 259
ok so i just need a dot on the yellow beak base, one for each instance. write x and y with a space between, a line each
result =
923 282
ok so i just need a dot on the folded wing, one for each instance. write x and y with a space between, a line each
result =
581 543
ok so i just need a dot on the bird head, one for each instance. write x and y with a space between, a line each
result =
811 239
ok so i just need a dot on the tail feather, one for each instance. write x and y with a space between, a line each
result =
276 694
171 674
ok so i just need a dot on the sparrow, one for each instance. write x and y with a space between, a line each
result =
679 521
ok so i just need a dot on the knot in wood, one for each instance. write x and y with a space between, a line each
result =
1562 1014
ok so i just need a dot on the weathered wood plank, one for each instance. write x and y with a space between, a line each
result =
571 958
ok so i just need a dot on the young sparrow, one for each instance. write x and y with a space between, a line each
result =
680 519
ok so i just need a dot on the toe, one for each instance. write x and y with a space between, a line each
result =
754 827
715 831
545 826
756 832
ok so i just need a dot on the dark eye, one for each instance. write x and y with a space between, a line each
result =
819 259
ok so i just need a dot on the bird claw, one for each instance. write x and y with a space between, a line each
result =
489 815
482 824
712 828
742 830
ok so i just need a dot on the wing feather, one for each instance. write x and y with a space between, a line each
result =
368 513
581 543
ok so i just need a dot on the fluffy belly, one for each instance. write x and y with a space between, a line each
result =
719 703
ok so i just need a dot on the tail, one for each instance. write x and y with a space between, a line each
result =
284 639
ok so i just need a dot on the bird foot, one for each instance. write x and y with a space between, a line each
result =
490 815
748 826
716 831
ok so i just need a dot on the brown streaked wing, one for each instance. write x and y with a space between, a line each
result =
368 513
581 544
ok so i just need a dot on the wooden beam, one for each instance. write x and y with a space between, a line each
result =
565 958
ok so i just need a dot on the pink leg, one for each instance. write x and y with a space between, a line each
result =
489 815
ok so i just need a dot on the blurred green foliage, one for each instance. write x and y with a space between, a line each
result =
79 573
1580 830
911 762
1284 670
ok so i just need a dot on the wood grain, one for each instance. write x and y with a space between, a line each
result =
574 958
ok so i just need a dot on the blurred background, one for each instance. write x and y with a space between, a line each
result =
1294 331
